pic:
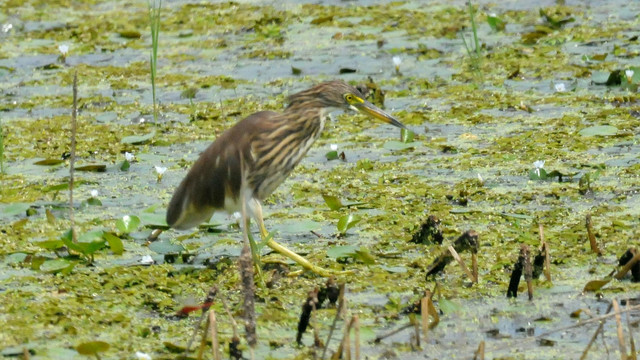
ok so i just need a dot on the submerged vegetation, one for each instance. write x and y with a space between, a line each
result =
549 139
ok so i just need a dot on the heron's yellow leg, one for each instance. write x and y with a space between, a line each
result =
284 250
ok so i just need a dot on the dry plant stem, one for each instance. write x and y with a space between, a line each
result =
528 270
335 320
356 334
435 318
479 355
623 348
72 161
194 334
203 340
632 344
474 265
317 343
344 344
545 248
213 329
594 337
234 324
464 267
625 269
416 331
592 237
346 341
392 332
424 314
208 299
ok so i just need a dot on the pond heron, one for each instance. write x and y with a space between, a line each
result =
245 164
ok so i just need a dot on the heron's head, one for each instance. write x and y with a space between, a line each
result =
339 94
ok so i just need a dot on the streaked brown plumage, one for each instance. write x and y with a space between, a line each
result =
251 159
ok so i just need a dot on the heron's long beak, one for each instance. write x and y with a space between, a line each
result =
373 111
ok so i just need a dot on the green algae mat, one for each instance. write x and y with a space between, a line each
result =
525 123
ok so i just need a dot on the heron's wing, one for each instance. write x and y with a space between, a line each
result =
217 174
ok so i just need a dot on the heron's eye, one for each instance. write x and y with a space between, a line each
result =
350 98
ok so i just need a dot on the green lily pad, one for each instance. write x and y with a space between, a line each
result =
94 201
15 258
394 269
91 236
154 220
599 130
128 223
595 285
92 347
15 209
332 155
57 265
166 247
87 244
48 162
138 139
406 136
337 252
302 226
448 306
517 216
16 351
125 165
396 145
92 168
347 222
333 202
496 23
50 244
365 256
115 243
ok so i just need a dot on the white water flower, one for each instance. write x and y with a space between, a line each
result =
480 178
396 62
94 193
6 27
146 260
539 164
142 356
560 87
160 170
128 156
629 73
333 147
64 49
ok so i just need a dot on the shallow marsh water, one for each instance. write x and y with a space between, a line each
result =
474 141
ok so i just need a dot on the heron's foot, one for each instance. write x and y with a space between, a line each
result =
302 261
154 235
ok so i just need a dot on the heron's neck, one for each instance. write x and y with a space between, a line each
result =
307 118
